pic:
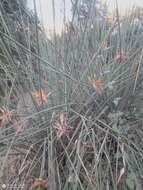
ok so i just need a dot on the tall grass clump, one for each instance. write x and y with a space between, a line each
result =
71 107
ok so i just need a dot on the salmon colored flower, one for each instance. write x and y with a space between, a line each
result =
61 128
36 182
41 96
120 56
5 114
96 83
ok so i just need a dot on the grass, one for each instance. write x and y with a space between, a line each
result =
87 133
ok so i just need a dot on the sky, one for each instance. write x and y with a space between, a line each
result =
45 10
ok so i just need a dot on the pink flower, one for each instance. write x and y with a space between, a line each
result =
41 96
5 114
61 128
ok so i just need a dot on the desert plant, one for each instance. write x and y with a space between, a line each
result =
75 120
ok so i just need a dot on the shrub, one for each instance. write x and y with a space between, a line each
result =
71 117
